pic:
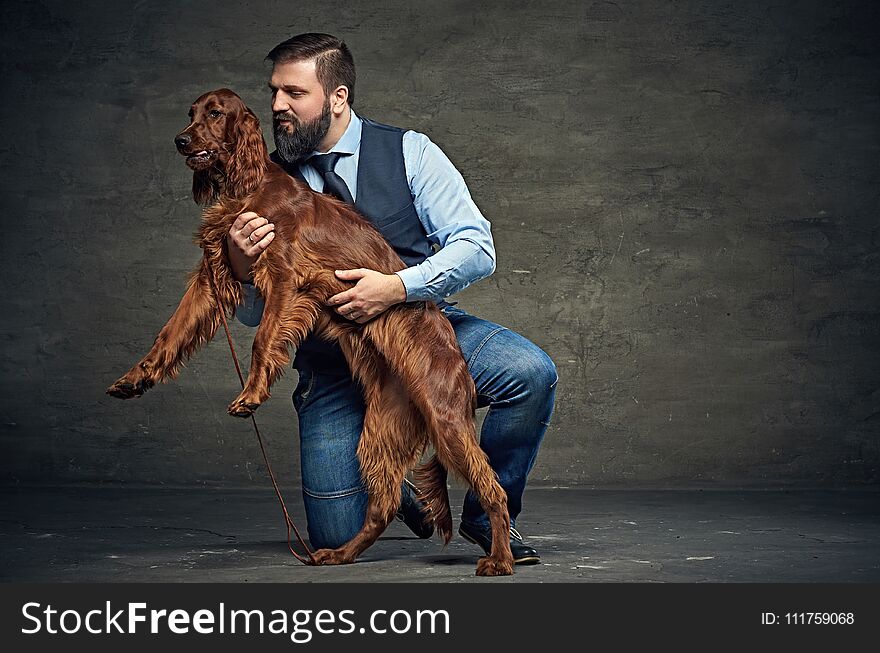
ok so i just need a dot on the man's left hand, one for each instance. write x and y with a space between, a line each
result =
373 294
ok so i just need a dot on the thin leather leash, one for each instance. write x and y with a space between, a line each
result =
290 525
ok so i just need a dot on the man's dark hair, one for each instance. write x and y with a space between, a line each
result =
333 61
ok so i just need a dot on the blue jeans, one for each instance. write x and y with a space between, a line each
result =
513 376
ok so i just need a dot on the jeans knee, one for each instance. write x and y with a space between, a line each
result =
334 520
321 538
538 371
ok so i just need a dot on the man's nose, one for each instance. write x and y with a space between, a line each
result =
182 140
279 103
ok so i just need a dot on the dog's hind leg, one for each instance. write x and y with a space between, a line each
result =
383 467
288 317
392 438
193 323
457 449
446 402
384 498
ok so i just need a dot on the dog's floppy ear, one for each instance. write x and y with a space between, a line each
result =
204 189
247 164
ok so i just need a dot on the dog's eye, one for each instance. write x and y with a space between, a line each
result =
214 113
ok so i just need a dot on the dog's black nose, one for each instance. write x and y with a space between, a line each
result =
182 140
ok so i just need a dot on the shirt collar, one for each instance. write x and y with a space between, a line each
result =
350 140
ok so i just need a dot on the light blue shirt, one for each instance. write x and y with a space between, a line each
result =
444 206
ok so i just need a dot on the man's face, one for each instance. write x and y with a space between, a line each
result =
300 109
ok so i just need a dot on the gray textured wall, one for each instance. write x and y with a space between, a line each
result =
683 194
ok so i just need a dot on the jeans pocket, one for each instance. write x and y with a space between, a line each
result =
303 389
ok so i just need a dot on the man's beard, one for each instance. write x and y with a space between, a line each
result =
303 140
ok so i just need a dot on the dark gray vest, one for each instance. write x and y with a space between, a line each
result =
384 198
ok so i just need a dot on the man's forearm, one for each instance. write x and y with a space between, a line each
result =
241 265
456 266
450 218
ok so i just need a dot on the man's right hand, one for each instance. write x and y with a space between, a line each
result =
250 234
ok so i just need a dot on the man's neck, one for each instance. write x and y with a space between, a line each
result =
337 129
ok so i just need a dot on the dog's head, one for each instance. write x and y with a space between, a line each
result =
224 147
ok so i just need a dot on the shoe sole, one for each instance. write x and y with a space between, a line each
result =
526 560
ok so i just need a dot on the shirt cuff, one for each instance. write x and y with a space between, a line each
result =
414 284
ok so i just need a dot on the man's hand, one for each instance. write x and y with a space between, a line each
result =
373 294
249 235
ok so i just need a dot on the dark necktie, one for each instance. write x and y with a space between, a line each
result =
333 183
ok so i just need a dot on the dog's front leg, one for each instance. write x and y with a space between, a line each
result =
288 317
193 323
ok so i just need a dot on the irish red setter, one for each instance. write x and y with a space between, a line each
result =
416 385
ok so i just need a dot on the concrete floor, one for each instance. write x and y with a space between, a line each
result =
207 535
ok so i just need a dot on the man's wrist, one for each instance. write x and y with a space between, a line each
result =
413 283
401 291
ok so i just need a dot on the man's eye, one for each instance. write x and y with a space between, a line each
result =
214 113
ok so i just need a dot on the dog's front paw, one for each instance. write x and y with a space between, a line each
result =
242 408
491 567
331 557
126 388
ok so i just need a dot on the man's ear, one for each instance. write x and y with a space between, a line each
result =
338 100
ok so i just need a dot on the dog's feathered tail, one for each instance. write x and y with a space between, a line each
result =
430 478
